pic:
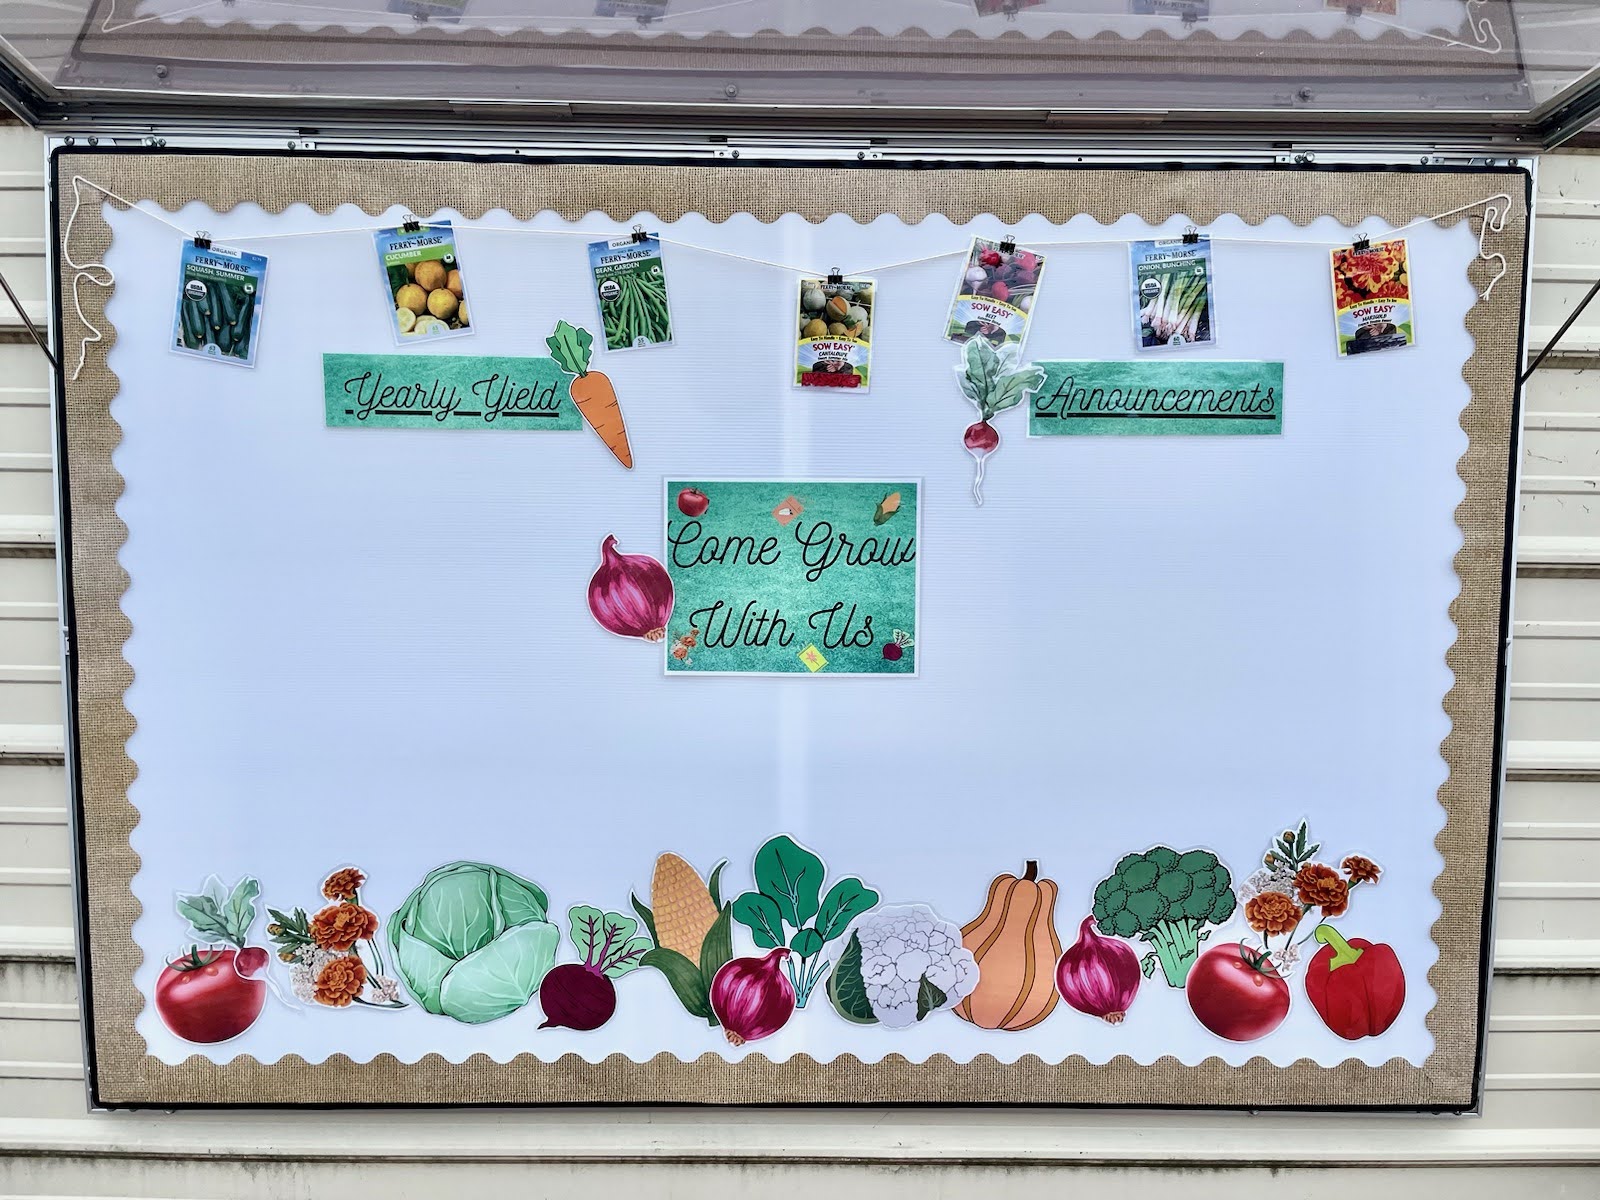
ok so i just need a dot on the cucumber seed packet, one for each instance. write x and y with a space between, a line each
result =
220 293
1173 305
630 287
994 297
1372 297
422 280
834 348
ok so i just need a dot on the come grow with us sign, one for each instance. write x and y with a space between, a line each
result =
792 577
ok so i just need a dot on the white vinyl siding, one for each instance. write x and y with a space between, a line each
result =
1542 1120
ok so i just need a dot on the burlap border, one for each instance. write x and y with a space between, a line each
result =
124 1074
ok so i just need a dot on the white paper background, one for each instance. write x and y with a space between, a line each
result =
372 646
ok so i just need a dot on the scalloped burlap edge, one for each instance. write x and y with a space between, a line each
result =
127 1075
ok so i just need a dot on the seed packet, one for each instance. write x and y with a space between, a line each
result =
988 8
1372 297
834 348
994 297
1386 8
1172 300
639 10
220 294
1189 10
449 11
630 287
422 280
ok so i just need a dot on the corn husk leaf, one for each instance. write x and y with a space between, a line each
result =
887 507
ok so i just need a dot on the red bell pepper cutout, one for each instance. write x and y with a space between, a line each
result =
1356 986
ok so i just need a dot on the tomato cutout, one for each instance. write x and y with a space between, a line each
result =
203 996
1236 993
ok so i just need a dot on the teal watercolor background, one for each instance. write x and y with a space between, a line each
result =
1171 378
744 509
437 375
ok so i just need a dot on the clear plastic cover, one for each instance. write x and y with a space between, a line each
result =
1503 60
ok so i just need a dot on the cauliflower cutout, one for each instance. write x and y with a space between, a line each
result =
901 964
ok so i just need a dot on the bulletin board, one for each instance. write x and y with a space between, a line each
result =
481 741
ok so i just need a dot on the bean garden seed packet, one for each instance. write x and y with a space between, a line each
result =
1372 297
1172 298
422 279
220 294
630 287
994 298
834 348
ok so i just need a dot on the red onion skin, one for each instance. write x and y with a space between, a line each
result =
630 594
574 997
752 997
1098 975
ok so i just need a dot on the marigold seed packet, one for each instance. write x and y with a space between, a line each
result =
1372 297
834 347
994 296
423 283
220 297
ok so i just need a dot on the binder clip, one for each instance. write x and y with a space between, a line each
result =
835 276
1008 244
1191 236
410 225
202 240
1362 244
639 235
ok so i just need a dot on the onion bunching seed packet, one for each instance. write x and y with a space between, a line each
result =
994 297
220 294
834 348
630 286
1189 10
1372 297
1172 301
422 280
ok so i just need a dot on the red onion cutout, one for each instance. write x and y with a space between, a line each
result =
752 997
1098 975
630 594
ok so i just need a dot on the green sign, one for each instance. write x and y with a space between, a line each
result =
792 578
448 391
1166 396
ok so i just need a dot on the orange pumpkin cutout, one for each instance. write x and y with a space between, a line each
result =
1014 940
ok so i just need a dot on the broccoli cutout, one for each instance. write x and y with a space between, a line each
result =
1165 899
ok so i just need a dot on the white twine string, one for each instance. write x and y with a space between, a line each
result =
107 27
1496 212
1483 31
82 271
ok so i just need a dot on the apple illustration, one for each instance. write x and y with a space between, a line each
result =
692 502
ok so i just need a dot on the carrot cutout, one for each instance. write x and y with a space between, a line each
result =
591 391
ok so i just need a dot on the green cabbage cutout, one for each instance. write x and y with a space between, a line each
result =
471 942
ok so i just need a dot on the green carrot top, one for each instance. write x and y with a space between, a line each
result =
571 347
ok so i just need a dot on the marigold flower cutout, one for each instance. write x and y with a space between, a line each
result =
340 982
343 884
1321 887
1361 870
1272 912
341 926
